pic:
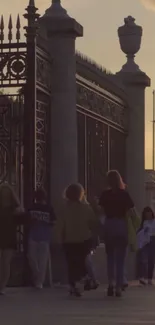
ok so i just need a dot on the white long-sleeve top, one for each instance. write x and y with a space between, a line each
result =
145 234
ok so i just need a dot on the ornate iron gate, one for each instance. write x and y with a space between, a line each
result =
12 75
24 108
25 93
11 141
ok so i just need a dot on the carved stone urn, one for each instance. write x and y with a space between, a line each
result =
130 36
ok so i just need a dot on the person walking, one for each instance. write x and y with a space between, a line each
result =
41 220
10 218
146 247
116 203
75 228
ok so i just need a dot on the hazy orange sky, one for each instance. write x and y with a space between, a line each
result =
100 19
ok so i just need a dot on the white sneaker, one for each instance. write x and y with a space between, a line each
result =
39 286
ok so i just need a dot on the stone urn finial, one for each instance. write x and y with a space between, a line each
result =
130 36
56 10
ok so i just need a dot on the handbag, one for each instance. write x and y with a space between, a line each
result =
133 224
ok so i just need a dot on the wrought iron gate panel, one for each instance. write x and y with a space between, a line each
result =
43 108
103 133
97 155
118 151
25 69
11 141
43 141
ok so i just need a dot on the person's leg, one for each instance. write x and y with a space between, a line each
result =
6 258
110 267
90 267
43 257
33 260
91 281
125 280
151 260
70 253
120 254
143 265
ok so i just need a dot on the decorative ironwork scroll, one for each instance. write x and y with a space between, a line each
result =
12 57
96 102
43 70
11 140
102 127
42 140
97 156
92 153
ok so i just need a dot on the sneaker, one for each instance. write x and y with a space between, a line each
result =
150 282
95 285
110 291
124 286
39 286
87 285
118 292
75 292
142 282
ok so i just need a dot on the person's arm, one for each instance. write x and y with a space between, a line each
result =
97 205
19 214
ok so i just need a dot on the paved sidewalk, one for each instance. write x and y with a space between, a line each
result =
54 307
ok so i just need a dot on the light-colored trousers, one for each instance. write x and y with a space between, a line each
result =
90 267
6 256
38 255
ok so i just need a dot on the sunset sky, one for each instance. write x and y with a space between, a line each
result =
100 19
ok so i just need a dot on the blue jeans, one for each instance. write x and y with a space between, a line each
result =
116 241
115 263
146 260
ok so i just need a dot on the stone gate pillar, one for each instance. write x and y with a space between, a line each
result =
61 31
135 82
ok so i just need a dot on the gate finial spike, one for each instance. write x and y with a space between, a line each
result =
32 18
2 23
18 22
10 29
32 3
18 28
2 29
10 22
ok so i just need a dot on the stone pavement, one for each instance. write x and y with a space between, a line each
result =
54 307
